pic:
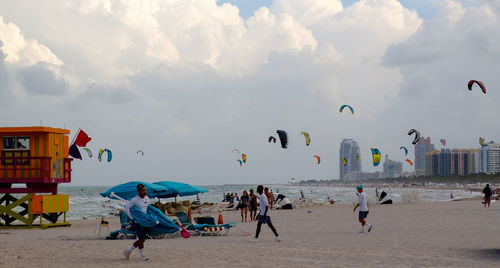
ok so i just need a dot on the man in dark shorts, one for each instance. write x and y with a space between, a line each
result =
264 215
487 195
141 201
363 208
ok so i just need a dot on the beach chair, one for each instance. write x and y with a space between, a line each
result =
103 224
203 229
127 232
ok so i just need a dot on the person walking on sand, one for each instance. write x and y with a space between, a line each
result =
363 208
141 201
487 195
269 197
263 216
253 205
243 205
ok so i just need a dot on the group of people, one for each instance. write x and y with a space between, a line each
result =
263 197
248 202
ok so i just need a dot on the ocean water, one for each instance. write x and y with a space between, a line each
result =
86 203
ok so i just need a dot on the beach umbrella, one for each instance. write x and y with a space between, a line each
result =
179 189
129 190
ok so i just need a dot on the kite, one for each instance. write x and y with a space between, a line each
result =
348 106
283 138
376 156
141 152
109 154
239 161
236 151
344 161
404 148
417 136
99 156
271 139
306 136
479 83
481 141
317 158
89 152
409 162
244 158
443 142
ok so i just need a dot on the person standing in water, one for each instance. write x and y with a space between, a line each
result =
141 201
264 215
363 208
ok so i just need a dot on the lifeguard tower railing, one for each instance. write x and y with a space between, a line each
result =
35 170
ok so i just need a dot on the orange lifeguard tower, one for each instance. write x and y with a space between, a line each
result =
33 161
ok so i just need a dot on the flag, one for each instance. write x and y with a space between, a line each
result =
82 139
74 152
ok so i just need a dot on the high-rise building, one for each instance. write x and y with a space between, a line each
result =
432 163
392 169
349 149
421 148
489 155
474 161
461 162
444 162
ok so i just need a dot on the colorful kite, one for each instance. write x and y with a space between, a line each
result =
307 137
376 156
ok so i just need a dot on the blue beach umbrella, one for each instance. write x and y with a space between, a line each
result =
179 189
129 190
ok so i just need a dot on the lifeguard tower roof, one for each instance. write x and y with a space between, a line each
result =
32 130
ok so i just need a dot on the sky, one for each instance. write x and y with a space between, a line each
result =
188 81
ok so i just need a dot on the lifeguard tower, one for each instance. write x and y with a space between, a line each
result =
33 161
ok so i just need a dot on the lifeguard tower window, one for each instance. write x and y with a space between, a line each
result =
15 149
15 143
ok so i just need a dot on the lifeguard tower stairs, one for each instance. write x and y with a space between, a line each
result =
33 161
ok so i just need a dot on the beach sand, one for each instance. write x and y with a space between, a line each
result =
438 234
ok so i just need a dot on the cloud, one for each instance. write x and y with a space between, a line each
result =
188 81
21 51
436 63
40 80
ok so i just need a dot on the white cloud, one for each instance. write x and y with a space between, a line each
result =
21 51
187 81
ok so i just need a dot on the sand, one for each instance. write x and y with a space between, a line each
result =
438 234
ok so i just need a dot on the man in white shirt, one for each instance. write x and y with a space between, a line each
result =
363 208
263 216
141 201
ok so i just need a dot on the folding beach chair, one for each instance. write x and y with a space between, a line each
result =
126 231
203 229
125 228
103 224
